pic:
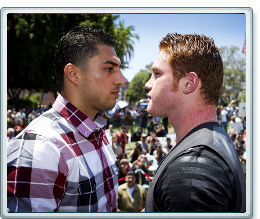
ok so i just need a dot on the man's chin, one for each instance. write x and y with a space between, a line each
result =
110 106
150 111
153 112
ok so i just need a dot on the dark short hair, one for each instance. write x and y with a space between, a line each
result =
196 53
130 172
138 145
77 46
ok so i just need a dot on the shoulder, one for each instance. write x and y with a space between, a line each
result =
42 137
199 154
141 189
50 125
200 160
200 176
122 187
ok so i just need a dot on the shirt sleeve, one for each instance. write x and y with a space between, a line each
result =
197 181
119 199
36 174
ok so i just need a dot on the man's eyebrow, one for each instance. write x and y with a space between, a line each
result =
112 63
155 69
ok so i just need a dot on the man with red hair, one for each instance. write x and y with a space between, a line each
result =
202 173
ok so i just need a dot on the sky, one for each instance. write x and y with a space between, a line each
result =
225 29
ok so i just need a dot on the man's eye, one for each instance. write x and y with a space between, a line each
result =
156 74
109 69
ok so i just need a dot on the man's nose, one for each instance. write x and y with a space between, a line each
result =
148 84
120 79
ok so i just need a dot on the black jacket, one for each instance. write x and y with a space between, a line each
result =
204 177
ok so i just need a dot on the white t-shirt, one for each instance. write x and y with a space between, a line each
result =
131 190
224 115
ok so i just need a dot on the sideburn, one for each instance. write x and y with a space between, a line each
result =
175 84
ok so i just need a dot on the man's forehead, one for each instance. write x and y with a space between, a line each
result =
162 57
106 50
162 60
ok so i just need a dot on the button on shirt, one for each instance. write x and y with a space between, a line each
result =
62 162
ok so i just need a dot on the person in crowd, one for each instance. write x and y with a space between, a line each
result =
111 130
10 119
236 124
121 117
137 116
165 122
240 146
144 119
233 109
144 143
129 121
185 86
116 119
137 135
152 141
168 146
117 148
20 114
124 167
244 135
122 156
232 135
224 118
19 125
156 120
160 132
131 196
151 126
31 116
243 120
159 154
10 134
80 174
123 138
136 152
141 167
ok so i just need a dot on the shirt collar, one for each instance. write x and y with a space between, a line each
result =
77 118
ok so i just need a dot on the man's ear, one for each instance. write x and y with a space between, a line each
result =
71 73
191 82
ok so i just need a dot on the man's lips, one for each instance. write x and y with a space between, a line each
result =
148 97
116 92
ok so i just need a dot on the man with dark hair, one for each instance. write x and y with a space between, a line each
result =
63 161
131 196
202 173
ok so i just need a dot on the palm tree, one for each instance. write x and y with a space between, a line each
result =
124 38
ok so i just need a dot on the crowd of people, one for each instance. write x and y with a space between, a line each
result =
18 119
229 115
150 142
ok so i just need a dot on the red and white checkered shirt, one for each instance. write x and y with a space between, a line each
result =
62 162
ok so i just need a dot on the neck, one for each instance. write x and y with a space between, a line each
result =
186 120
130 186
79 104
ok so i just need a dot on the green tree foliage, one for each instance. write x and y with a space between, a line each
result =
31 40
136 89
242 97
234 73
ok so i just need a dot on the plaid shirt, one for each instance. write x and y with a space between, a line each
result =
62 162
